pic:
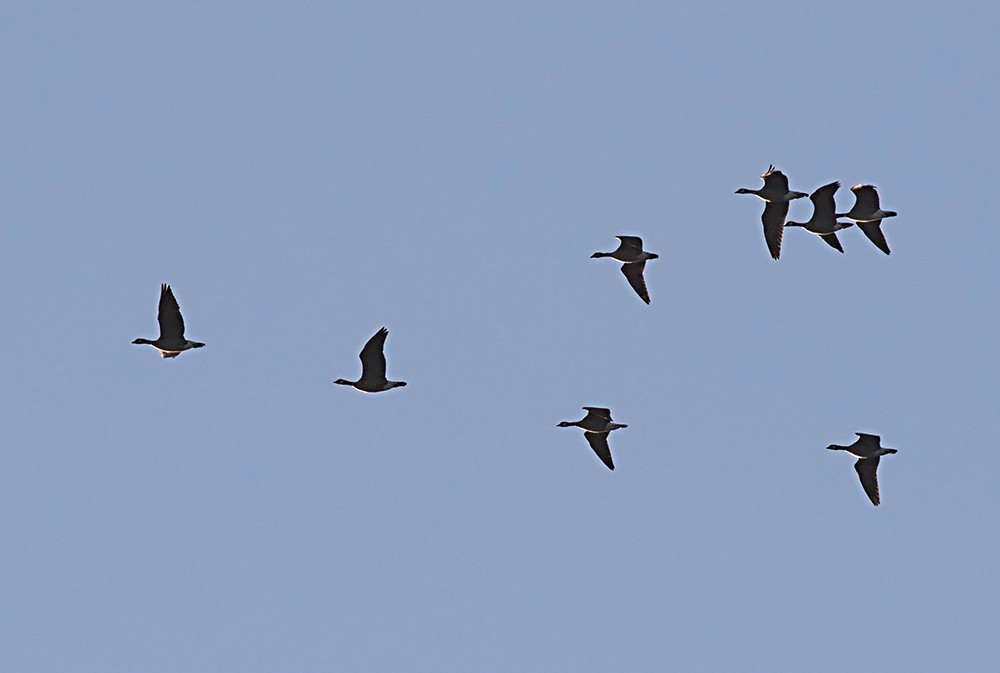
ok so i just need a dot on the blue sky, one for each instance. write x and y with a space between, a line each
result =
304 173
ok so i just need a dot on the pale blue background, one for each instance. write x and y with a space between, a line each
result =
304 173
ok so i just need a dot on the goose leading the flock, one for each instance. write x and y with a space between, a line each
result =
867 213
868 449
171 341
633 259
776 196
373 378
824 222
597 425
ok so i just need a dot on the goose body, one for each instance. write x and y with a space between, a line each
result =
868 449
171 341
633 259
597 425
824 222
372 356
776 195
869 215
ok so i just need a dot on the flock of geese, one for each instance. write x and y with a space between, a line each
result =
825 219
597 425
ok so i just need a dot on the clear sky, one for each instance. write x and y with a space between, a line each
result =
303 173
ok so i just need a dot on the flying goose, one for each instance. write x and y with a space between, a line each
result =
776 196
633 259
171 342
867 213
596 427
373 367
824 222
867 448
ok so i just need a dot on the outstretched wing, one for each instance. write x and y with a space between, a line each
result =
373 356
824 202
633 272
597 414
833 241
169 316
866 199
773 219
775 180
871 441
631 242
866 468
599 443
873 230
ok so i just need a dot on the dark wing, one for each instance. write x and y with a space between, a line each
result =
631 242
598 413
633 272
873 230
169 316
775 180
867 199
823 201
773 218
373 356
599 443
866 468
833 241
874 440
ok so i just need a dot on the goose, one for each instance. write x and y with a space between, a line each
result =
633 259
824 222
373 367
868 449
776 196
867 213
171 342
597 425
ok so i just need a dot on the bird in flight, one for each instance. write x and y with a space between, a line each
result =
776 195
597 425
824 222
868 449
373 378
171 341
633 259
867 213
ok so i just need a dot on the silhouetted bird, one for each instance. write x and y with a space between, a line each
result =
596 426
171 342
867 213
373 367
824 222
633 259
868 449
776 195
